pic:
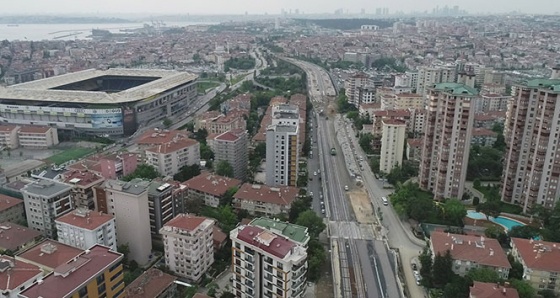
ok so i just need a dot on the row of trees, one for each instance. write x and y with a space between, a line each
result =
245 62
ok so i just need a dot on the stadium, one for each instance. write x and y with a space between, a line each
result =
113 102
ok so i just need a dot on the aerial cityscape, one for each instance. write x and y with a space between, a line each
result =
280 150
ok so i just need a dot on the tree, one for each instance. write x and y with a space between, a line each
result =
454 212
497 233
484 275
125 250
190 126
516 271
260 150
426 267
316 260
167 122
524 289
227 198
476 183
525 232
205 152
224 168
442 272
459 287
187 172
227 295
143 171
299 205
312 221
490 208
547 294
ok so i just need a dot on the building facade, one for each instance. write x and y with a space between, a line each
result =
352 87
531 173
188 245
37 137
264 200
540 262
210 188
46 200
282 155
12 209
232 146
392 144
83 228
447 135
162 205
170 157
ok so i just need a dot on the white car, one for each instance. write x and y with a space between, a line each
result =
314 173
346 187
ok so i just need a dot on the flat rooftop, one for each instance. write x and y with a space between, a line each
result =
85 219
43 90
294 232
46 188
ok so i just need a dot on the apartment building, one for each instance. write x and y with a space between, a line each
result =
541 262
483 137
128 202
282 155
492 102
210 188
531 174
49 254
296 233
46 200
97 272
402 101
188 245
265 200
14 237
9 137
11 209
491 290
240 102
109 166
379 116
392 144
352 87
470 252
83 183
16 276
429 76
232 146
37 137
152 283
170 157
162 205
447 135
414 149
266 264
83 228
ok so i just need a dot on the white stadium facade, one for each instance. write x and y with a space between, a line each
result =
113 102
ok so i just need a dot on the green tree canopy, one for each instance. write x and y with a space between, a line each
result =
312 221
484 275
299 205
524 289
187 172
224 168
454 211
490 208
442 272
143 171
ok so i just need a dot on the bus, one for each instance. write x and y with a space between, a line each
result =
333 151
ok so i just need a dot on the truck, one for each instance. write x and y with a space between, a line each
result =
333 151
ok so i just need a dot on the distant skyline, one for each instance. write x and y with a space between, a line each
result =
209 7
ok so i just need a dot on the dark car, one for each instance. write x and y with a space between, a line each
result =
414 267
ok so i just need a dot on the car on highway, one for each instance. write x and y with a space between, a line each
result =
310 193
315 173
385 201
346 187
323 210
414 267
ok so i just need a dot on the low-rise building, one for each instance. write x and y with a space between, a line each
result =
541 262
210 188
11 209
14 237
83 228
45 201
8 136
83 182
16 277
264 200
153 283
266 264
37 137
188 245
170 157
414 149
97 272
470 252
491 290
49 254
483 137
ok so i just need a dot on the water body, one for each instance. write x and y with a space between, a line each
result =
70 31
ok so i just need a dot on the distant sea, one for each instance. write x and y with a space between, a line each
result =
70 31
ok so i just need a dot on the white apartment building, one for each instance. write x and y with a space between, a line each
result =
169 158
402 101
45 200
128 203
266 264
37 137
264 200
353 85
367 95
392 144
531 174
8 136
188 244
492 102
232 146
83 228
209 187
447 135
429 76
282 155
285 114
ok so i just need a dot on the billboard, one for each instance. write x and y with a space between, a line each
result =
112 120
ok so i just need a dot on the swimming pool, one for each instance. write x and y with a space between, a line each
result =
505 222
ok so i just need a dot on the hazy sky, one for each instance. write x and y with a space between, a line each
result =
262 6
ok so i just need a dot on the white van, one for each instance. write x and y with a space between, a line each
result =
385 201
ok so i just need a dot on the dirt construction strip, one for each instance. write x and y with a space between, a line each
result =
362 207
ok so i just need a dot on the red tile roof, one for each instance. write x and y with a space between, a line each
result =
212 184
34 129
39 254
153 137
13 236
477 132
150 284
173 146
218 236
491 290
89 220
7 202
186 222
82 177
538 255
227 136
416 143
394 122
68 277
266 240
281 195
17 274
7 128
484 251
200 295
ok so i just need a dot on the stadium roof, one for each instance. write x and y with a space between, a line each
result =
40 90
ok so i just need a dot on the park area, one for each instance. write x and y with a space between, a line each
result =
73 153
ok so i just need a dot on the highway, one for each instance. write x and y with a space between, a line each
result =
363 266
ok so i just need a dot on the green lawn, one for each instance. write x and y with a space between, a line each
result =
237 79
201 87
70 154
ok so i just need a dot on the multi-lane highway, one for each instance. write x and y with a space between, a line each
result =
362 264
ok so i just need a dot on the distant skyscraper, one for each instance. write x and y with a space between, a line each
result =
447 135
531 173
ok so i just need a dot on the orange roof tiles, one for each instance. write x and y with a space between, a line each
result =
173 146
150 284
153 137
34 129
538 255
282 195
492 290
209 183
62 254
483 132
17 274
89 220
7 202
13 236
186 222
